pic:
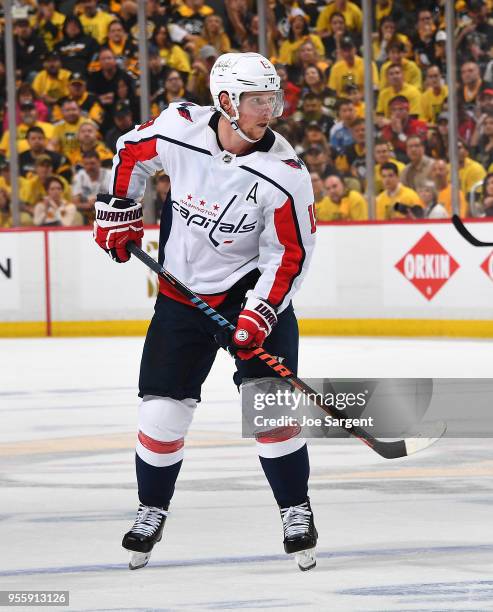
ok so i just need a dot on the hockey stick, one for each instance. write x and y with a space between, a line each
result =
466 234
388 450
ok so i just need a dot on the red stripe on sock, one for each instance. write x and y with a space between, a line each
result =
163 448
280 434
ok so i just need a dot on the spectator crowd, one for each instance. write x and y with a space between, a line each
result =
77 92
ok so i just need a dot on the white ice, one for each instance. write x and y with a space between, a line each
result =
409 534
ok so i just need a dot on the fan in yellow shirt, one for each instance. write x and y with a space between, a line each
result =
87 138
349 69
64 139
173 55
88 103
387 31
355 94
470 171
440 173
95 21
298 34
190 13
28 119
213 34
33 189
351 11
412 74
288 49
397 87
48 22
383 155
340 204
434 96
394 192
51 84
6 220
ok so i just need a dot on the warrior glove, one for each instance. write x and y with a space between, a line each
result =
118 222
255 323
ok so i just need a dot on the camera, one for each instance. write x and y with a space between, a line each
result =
405 209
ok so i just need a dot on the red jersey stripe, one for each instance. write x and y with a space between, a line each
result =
132 153
169 291
294 254
163 448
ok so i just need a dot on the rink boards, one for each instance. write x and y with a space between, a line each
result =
397 278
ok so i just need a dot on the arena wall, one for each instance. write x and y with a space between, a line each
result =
392 279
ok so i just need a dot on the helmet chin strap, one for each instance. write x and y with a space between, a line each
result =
233 121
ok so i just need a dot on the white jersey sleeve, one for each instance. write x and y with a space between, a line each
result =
286 244
138 158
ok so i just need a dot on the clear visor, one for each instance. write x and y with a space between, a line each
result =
265 103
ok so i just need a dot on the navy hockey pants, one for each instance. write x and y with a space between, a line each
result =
180 349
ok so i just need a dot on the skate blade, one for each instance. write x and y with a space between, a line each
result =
306 559
138 560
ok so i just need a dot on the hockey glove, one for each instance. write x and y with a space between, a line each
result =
118 221
254 324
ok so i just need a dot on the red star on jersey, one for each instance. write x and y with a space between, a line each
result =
202 202
189 196
216 207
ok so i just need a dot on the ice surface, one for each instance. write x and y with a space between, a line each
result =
409 534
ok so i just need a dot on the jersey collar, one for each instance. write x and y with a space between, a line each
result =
264 144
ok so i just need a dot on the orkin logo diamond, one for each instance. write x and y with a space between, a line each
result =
487 265
428 266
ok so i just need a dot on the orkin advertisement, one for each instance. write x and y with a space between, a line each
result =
427 265
364 279
432 270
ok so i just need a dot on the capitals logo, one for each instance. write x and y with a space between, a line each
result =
296 163
184 112
214 225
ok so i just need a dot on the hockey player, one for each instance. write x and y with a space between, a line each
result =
238 230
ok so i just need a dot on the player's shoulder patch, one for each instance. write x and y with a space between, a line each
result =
285 153
184 110
295 162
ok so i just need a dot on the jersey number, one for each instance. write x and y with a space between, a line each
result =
313 219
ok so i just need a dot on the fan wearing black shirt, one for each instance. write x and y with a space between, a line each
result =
76 49
104 83
30 49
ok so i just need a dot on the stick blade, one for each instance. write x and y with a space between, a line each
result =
410 446
434 432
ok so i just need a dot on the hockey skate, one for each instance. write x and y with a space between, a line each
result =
300 535
146 531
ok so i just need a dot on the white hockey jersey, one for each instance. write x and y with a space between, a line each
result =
231 213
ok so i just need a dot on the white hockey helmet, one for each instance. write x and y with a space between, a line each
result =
237 73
